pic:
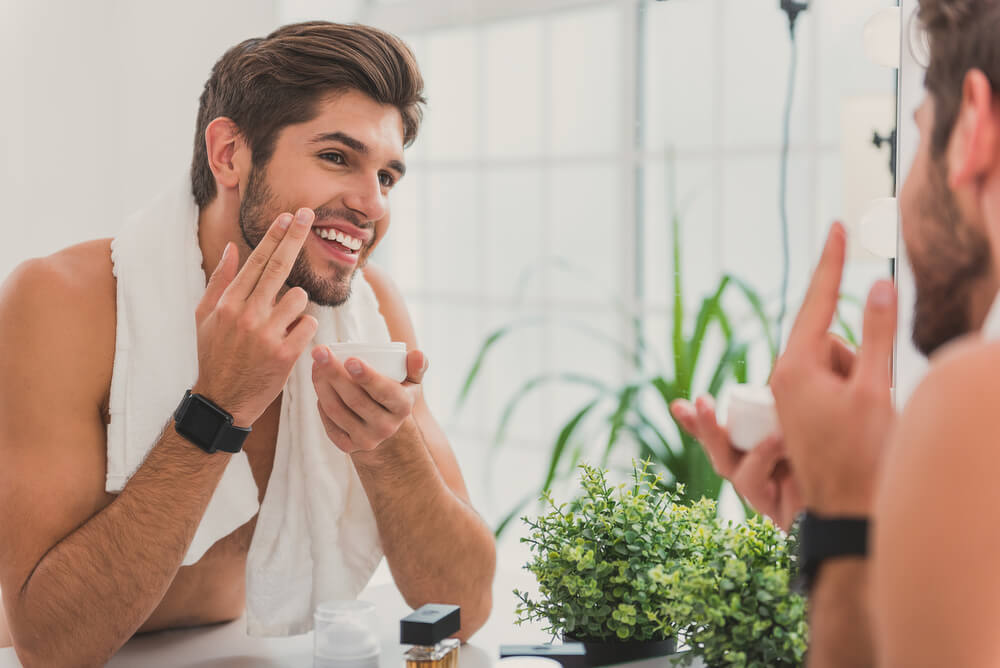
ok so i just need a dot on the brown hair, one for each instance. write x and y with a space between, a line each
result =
962 35
266 84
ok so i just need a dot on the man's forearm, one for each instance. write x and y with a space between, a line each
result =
840 634
437 546
93 590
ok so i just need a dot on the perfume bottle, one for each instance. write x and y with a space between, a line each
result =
427 629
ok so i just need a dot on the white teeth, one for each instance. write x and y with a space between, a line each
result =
345 240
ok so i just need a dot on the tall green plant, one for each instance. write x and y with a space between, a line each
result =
623 408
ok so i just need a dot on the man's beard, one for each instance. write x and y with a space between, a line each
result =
956 259
259 209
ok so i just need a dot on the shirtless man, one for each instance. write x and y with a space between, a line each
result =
928 593
313 118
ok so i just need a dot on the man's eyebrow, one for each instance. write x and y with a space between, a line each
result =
347 140
355 145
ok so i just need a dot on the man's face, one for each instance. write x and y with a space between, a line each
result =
947 246
342 164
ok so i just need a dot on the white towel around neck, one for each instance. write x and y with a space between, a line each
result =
316 537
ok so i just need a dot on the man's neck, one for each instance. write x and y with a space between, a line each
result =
982 300
218 224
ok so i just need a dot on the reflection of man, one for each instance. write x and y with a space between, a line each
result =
929 594
310 121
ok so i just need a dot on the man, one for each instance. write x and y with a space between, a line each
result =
928 593
310 121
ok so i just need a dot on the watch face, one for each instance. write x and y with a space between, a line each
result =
201 422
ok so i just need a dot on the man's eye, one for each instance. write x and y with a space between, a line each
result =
335 158
386 179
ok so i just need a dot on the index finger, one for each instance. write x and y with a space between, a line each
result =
820 304
270 270
247 277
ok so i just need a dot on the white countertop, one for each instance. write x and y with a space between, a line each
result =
228 646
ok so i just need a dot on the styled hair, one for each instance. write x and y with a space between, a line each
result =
266 84
962 35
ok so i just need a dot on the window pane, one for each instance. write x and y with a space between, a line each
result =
452 80
514 230
514 89
586 81
755 73
695 209
588 227
681 61
453 225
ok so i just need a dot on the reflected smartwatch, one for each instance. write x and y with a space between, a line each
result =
824 538
208 426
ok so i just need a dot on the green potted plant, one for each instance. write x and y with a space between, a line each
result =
593 560
628 420
733 592
632 571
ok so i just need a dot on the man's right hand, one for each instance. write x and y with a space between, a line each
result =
248 339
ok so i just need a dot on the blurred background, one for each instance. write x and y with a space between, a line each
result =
566 145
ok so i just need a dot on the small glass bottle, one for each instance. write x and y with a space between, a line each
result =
427 629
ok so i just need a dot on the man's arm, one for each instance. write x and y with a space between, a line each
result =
840 631
437 546
79 574
936 586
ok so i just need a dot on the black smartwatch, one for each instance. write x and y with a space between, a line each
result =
822 538
206 425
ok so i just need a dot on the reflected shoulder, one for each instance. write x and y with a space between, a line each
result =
392 306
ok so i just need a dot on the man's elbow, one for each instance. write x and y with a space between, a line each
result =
479 606
474 616
46 656
44 649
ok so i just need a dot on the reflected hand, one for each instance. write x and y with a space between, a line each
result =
762 476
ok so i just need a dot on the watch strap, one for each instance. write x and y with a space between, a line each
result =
824 538
204 423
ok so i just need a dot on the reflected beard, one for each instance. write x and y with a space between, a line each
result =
959 258
257 211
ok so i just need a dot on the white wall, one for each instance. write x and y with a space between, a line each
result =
98 108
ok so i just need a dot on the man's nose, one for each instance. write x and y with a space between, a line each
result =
366 198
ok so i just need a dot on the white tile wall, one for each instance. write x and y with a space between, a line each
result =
588 230
515 93
682 67
451 71
585 111
515 228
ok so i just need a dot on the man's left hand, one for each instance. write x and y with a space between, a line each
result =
361 408
836 418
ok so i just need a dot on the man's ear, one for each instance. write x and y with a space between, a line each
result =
228 154
972 151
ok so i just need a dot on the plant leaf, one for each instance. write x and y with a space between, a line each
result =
626 398
757 304
735 351
532 384
564 435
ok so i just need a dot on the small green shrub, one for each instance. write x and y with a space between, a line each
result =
633 563
593 559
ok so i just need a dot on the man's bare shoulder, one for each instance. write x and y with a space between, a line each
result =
937 507
57 315
392 306
951 421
